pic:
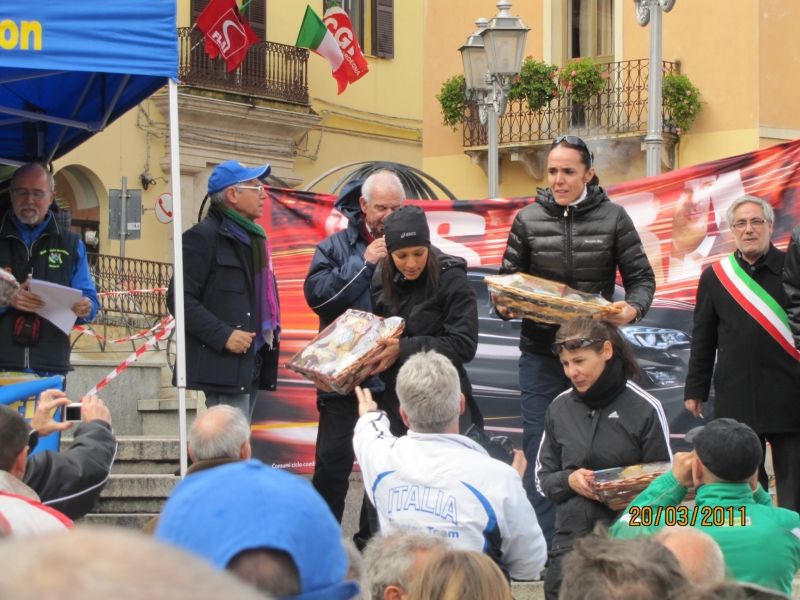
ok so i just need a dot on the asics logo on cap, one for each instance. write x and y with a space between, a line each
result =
407 234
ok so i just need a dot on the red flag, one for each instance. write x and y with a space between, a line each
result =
355 66
227 32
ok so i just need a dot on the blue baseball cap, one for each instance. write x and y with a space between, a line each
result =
232 172
220 512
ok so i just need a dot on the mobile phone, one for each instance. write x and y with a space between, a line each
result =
72 412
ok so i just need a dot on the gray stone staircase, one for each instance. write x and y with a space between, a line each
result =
141 480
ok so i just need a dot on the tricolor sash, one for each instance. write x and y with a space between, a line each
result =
755 300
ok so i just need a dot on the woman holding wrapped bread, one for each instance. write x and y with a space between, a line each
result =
430 291
604 421
572 233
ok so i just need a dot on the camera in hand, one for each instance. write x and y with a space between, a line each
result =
499 447
72 412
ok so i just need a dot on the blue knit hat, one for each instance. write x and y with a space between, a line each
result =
223 511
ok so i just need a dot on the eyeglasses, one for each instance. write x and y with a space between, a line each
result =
574 140
23 193
574 344
755 223
259 188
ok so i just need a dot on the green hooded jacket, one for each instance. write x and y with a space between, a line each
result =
761 543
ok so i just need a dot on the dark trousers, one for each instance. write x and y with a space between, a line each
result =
554 575
335 457
786 464
541 379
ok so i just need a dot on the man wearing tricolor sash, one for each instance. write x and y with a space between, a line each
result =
740 318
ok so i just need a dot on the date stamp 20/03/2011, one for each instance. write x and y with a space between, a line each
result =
705 516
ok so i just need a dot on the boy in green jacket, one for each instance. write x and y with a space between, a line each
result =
761 543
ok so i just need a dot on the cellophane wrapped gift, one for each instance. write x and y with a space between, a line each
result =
336 359
543 300
8 288
619 486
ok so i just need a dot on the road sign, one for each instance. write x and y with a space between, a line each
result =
164 208
133 214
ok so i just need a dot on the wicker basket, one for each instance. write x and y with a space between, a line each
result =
543 300
335 360
618 487
8 288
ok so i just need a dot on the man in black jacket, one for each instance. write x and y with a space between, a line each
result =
71 481
740 319
230 293
339 279
791 284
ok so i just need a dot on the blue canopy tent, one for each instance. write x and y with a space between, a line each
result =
68 70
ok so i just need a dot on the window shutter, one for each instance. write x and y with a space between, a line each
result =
197 8
383 28
256 15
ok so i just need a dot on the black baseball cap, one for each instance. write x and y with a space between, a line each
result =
727 448
406 227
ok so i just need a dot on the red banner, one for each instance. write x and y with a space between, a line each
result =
227 32
338 23
680 216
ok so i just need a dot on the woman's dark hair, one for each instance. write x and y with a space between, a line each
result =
586 155
390 274
597 329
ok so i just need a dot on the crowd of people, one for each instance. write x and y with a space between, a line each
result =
441 516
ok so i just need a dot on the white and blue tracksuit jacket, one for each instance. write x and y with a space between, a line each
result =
448 485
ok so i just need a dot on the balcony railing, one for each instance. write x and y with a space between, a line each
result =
112 273
270 70
620 109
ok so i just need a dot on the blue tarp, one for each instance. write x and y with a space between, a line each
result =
68 69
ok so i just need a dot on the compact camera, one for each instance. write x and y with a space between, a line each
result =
499 447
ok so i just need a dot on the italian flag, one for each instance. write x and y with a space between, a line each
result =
345 57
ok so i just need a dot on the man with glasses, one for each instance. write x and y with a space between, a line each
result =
740 319
230 293
34 246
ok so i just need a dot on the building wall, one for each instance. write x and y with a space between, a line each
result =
742 60
377 118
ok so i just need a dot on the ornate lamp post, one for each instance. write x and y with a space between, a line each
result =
649 11
492 56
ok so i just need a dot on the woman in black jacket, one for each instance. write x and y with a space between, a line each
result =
572 233
604 421
430 291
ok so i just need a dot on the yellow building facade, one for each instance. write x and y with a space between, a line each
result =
376 118
741 55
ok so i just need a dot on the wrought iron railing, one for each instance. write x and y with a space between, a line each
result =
112 273
620 109
270 69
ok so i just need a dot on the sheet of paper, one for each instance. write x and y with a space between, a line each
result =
58 302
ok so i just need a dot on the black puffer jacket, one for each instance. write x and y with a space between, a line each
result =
582 246
446 322
631 430
791 284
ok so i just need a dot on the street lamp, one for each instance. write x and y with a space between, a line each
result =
496 50
649 11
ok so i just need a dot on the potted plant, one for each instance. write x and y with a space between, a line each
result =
682 100
453 101
536 83
582 79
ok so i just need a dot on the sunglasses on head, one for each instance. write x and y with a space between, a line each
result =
574 140
574 344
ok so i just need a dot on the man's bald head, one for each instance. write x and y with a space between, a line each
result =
699 555
220 432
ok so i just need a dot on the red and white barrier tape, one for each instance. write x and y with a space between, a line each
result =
122 292
132 358
135 336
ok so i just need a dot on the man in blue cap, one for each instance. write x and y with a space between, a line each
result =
267 526
230 294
